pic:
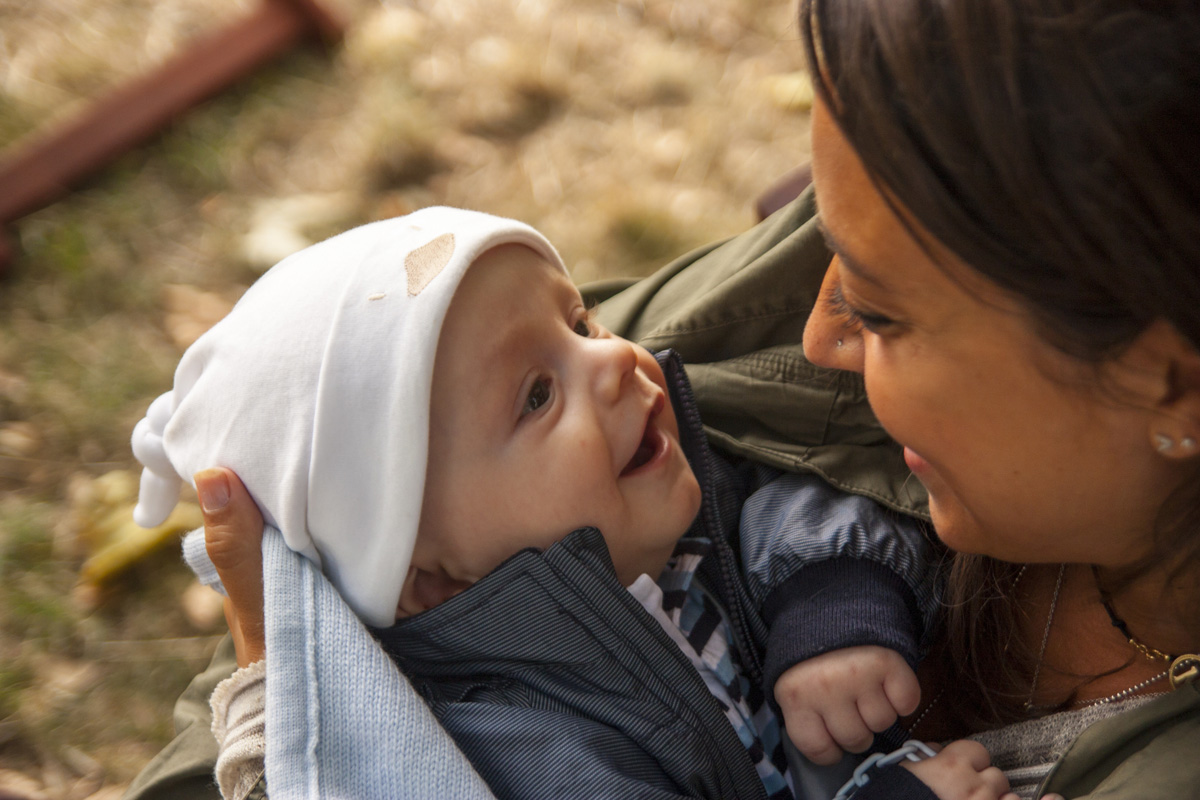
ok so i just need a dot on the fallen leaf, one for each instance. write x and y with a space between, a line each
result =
101 516
792 91
108 793
21 785
128 543
20 439
13 387
280 226
191 312
203 606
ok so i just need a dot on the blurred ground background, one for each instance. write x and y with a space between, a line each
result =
628 131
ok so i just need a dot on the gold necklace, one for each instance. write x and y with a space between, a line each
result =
1120 624
1191 661
1183 668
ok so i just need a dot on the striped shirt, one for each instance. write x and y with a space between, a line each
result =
699 627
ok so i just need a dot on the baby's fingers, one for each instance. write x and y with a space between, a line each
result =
807 731
876 710
968 752
902 688
961 770
997 783
848 729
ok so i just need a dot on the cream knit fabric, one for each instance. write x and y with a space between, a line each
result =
239 706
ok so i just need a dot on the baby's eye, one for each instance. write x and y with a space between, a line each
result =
584 326
539 395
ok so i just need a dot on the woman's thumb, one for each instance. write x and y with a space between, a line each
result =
232 522
233 529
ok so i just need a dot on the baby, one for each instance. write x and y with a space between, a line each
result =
425 408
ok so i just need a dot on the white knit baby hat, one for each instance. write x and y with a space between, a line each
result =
315 390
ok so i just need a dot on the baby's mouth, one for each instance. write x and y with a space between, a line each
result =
642 455
651 444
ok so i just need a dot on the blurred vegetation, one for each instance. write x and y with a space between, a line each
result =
628 131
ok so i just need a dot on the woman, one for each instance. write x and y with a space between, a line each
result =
1011 194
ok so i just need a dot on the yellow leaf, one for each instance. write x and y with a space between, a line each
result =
129 543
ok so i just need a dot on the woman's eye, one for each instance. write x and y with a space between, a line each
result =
870 322
539 395
875 323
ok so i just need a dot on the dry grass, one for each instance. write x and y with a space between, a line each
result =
627 131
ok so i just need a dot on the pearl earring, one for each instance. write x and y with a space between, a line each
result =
1163 443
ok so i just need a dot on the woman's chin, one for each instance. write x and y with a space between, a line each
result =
953 527
960 532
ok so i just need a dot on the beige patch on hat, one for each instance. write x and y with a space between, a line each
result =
424 263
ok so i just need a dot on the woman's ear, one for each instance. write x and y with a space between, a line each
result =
423 590
1175 425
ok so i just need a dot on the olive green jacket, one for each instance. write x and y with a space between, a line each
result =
736 311
1149 753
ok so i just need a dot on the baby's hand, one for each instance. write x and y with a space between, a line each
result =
962 771
839 700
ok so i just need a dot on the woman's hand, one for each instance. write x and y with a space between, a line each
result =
233 537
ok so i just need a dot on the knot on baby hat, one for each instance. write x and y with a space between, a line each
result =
315 390
159 489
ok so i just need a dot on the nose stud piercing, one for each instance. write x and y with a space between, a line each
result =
840 343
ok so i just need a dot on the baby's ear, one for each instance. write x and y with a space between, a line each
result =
423 590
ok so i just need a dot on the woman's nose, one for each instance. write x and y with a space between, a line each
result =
830 339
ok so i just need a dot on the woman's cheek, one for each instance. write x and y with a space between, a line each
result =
893 408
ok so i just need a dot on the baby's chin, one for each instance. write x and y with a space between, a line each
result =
645 562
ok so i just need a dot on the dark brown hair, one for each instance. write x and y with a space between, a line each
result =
1053 146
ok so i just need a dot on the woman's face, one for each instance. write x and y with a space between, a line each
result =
1024 456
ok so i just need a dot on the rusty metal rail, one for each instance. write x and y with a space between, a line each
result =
45 168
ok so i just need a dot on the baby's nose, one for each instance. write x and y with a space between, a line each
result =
616 364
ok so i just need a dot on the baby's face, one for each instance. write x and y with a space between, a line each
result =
541 423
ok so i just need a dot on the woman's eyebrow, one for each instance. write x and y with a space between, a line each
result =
848 261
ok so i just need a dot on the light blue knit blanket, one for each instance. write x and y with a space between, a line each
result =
342 721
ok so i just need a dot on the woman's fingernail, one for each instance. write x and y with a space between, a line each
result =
1053 797
212 487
